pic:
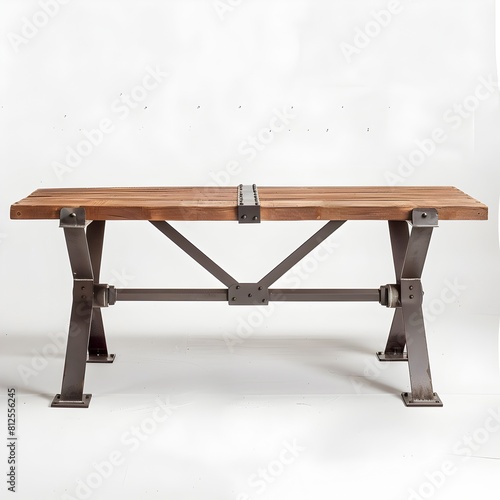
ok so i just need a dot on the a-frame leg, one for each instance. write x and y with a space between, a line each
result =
98 349
394 349
71 396
409 252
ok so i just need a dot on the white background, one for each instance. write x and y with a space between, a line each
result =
361 88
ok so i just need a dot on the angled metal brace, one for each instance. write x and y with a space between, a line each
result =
194 252
300 253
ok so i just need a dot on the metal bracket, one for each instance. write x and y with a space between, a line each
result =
248 294
409 401
389 296
411 291
104 295
72 217
248 204
424 217
61 403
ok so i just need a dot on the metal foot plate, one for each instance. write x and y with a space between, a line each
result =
396 356
99 358
57 402
409 401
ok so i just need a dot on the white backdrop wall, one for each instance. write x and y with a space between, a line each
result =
127 93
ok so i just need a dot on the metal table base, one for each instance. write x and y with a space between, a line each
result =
87 340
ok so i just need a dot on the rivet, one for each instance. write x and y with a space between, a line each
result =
84 297
255 217
411 287
264 300
237 287
83 288
260 288
249 294
424 215
233 299
411 296
72 214
244 216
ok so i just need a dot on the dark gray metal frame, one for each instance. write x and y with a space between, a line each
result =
87 342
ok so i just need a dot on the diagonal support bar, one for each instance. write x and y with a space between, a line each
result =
194 252
300 253
98 349
71 395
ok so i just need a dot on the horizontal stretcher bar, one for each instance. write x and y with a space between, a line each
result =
275 294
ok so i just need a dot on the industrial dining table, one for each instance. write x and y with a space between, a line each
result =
412 214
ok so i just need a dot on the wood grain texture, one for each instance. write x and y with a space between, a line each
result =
277 203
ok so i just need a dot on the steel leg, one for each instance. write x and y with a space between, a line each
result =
409 253
394 349
98 349
71 395
422 393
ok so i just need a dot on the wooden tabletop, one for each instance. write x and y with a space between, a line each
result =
277 203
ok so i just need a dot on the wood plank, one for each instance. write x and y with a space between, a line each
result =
277 203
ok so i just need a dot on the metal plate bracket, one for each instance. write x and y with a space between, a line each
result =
409 401
72 217
57 402
248 294
248 204
424 217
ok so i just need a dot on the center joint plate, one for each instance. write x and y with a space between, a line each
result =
248 294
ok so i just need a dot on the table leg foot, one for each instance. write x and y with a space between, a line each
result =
57 402
392 356
409 401
101 358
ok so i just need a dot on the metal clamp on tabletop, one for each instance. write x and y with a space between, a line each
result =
248 204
